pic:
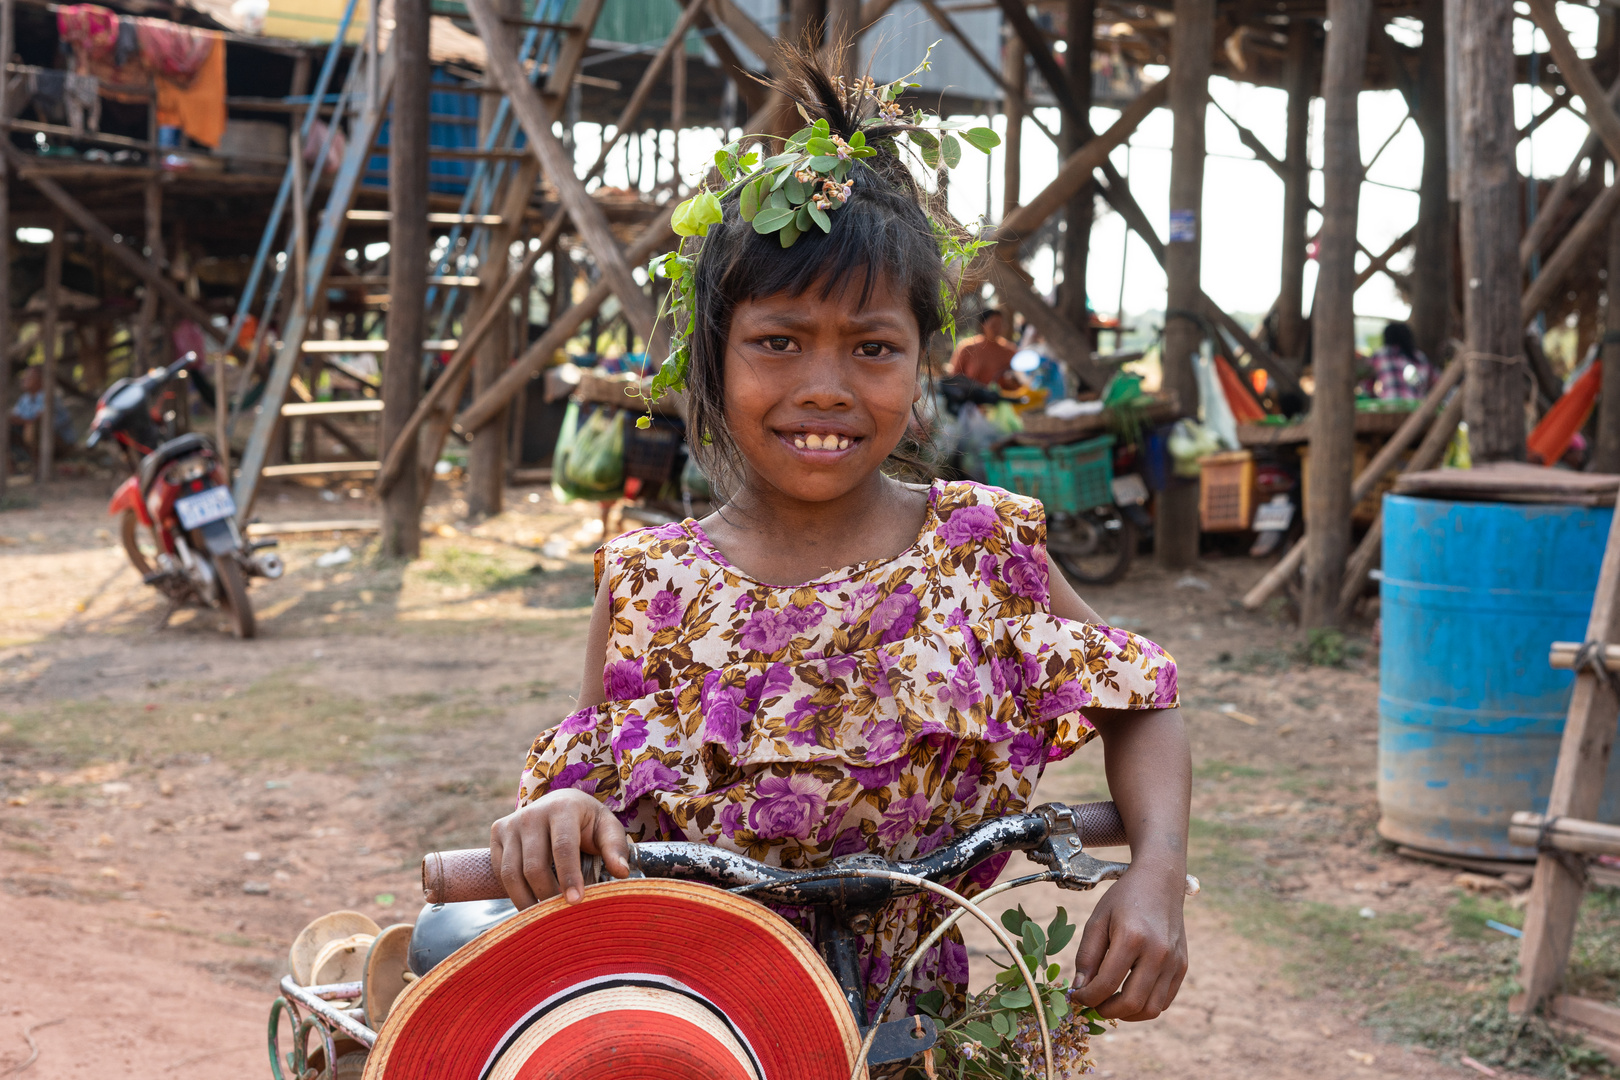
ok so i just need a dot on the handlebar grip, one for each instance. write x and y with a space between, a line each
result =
454 877
1100 824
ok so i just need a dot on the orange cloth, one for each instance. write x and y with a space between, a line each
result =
1567 416
982 359
1245 410
197 108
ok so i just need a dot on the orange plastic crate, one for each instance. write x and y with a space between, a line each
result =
1226 491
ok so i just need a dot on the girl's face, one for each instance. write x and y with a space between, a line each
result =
819 391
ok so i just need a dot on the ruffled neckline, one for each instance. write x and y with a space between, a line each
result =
707 548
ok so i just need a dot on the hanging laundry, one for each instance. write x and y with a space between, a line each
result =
61 97
172 51
106 48
92 31
194 102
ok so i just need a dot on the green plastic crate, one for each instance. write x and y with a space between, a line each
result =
1068 478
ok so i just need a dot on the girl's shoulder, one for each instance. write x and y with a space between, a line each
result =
969 511
653 543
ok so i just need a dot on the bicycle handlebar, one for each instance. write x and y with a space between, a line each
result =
457 876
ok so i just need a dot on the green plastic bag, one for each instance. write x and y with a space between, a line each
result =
596 461
571 453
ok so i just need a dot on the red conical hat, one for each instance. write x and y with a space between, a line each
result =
642 980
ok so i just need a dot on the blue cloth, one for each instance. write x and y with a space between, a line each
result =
28 407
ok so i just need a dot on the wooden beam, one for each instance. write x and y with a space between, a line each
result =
1013 106
408 248
1606 451
536 119
1051 71
25 167
1547 216
1076 170
1297 73
1562 262
1380 262
488 404
1433 290
45 430
872 11
7 45
1366 480
1333 407
1072 345
1577 789
1577 75
1491 222
754 39
649 78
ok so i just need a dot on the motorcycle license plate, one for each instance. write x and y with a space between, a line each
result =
204 507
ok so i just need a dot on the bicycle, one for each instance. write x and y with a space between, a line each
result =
466 899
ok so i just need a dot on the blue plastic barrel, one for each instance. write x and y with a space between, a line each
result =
1469 712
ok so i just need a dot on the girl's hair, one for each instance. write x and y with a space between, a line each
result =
883 231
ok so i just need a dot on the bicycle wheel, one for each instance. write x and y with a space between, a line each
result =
233 596
1095 546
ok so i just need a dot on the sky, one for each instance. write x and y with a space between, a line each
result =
1242 214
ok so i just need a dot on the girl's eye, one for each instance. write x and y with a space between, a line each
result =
872 350
779 344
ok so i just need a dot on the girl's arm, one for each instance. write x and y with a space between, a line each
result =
1133 953
537 847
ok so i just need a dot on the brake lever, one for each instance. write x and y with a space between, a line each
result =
1065 854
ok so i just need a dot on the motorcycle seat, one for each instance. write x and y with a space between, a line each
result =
174 449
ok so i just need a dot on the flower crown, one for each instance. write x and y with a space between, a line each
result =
792 192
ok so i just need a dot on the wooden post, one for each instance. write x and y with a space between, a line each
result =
1497 379
1077 214
1175 537
1433 284
154 251
677 112
1297 73
1014 81
1333 322
6 46
1606 455
407 269
45 444
1577 789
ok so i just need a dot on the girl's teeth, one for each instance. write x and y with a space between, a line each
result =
843 442
798 441
814 442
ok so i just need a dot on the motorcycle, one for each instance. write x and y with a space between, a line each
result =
179 494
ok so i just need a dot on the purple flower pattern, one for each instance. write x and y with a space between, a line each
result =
884 708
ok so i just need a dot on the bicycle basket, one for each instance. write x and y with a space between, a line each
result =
1068 478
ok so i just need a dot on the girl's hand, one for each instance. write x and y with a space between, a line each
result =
539 846
1135 936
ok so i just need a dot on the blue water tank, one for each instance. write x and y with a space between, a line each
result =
1469 712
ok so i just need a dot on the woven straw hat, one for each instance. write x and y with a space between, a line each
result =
641 978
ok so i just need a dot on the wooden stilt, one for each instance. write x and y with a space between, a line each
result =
50 340
1434 286
1013 80
1606 454
1297 79
1077 213
1175 535
1498 381
7 46
407 271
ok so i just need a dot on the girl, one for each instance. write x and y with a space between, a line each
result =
837 661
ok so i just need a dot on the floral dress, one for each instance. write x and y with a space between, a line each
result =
886 707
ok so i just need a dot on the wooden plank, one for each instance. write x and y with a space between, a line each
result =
321 468
1567 834
332 408
536 119
488 405
1380 262
1435 239
1368 479
1548 215
295 528
1569 252
1577 789
1296 188
375 345
565 73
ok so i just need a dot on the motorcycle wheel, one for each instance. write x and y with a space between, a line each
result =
234 596
129 532
1094 547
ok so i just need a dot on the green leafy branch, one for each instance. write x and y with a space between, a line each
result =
998 1036
797 190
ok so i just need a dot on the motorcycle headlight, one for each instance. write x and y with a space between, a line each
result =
189 469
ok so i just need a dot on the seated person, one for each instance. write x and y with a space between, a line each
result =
985 357
1399 371
27 409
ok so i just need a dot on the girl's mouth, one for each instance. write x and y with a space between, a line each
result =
819 443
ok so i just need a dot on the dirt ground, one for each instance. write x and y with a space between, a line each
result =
175 805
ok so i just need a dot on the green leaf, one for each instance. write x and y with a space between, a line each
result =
1015 918
822 128
857 140
1058 1002
788 234
984 1033
1009 977
1017 998
643 422
749 160
951 151
1000 1022
726 162
823 163
1053 971
822 147
1059 933
796 190
777 198
781 178
694 216
748 199
777 160
771 219
1034 944
982 138
819 216
931 1002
